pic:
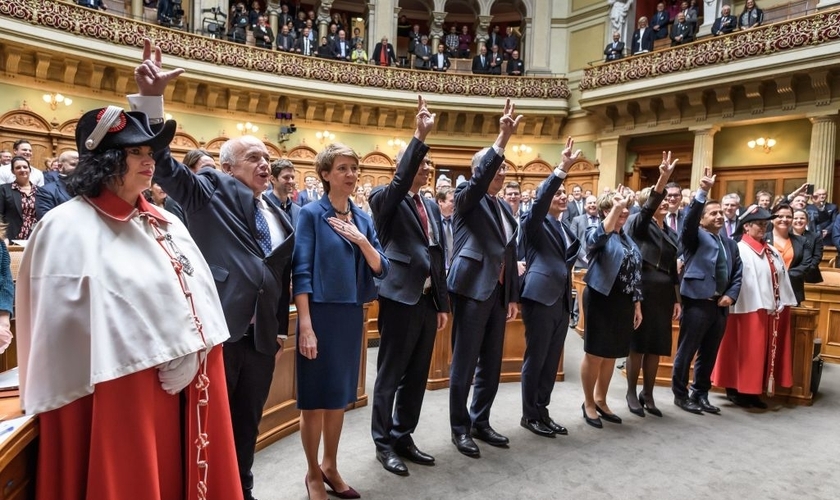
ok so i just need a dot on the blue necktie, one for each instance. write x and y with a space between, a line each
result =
263 234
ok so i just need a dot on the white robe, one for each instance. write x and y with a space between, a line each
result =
98 298
757 284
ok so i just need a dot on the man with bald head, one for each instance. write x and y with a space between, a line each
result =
247 243
55 193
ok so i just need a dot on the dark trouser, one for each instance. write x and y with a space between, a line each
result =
478 334
407 338
248 375
701 330
545 335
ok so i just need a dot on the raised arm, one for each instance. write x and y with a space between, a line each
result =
534 218
691 226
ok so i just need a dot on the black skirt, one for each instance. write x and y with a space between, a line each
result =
608 325
654 334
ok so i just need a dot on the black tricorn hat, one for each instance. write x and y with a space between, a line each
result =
752 213
114 128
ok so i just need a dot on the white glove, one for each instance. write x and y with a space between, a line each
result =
177 374
5 339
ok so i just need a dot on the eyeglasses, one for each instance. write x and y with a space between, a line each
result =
673 195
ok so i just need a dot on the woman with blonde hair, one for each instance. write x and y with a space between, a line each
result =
337 255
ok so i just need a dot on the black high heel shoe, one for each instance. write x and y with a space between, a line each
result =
653 410
639 411
609 417
594 422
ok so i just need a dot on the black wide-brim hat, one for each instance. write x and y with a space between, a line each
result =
114 128
752 213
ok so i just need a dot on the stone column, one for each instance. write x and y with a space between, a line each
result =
436 30
711 11
274 22
704 144
481 35
612 155
370 24
822 153
323 20
137 10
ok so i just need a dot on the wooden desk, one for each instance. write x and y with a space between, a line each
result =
18 455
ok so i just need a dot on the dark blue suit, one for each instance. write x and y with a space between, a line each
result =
291 208
479 301
660 19
50 196
51 176
407 311
304 198
546 299
703 322
253 287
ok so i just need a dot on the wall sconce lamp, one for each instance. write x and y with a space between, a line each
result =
53 99
766 144
396 144
325 136
521 149
247 128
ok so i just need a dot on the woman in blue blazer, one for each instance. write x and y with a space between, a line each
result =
336 258
611 304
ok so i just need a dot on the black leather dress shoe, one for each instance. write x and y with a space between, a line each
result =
557 428
537 427
490 436
392 463
466 445
703 403
411 452
609 417
688 405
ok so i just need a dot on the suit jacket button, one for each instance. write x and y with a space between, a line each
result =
261 291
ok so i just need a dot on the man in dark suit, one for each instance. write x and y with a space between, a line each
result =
659 22
515 66
263 36
481 62
494 38
413 300
615 50
247 242
309 194
681 31
282 186
578 226
422 54
495 60
414 37
550 252
483 284
711 283
285 41
822 214
675 217
726 23
383 53
341 46
304 44
730 204
575 206
53 194
440 61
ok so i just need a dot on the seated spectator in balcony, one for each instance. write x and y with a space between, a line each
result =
515 65
464 42
481 62
452 42
495 60
751 17
422 54
383 53
493 38
341 47
92 4
238 22
325 50
659 22
285 42
615 50
440 61
689 10
681 31
414 38
642 38
726 23
304 45
263 36
359 55
510 43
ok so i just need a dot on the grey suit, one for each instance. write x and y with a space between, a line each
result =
482 251
253 287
